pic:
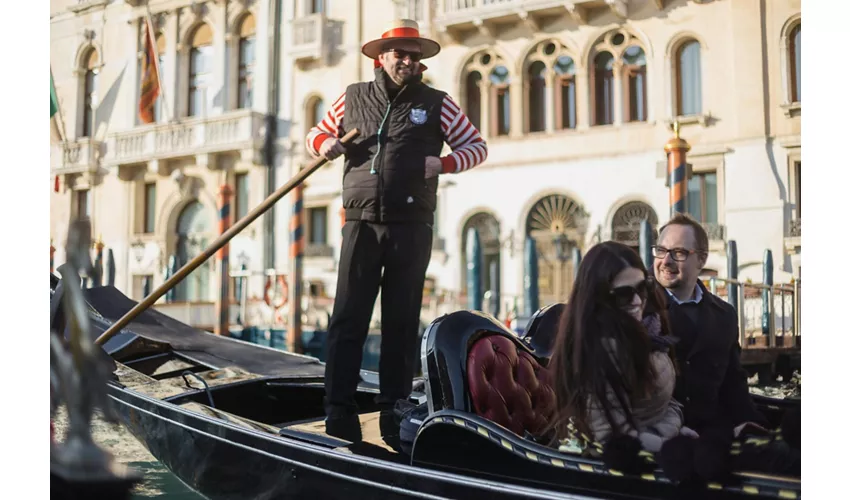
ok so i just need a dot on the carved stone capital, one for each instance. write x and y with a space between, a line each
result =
579 14
528 20
618 7
483 27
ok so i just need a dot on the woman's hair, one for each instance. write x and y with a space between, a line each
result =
598 346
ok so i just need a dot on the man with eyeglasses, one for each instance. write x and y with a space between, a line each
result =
712 383
389 193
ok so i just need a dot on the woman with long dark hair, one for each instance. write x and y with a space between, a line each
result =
613 372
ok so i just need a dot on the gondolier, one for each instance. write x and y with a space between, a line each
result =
389 195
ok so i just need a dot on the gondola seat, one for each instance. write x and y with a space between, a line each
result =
542 328
473 364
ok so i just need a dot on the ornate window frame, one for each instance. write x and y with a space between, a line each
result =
608 43
790 108
553 121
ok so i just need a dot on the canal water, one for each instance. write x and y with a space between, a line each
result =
157 481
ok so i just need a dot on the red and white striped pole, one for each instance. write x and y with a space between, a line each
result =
222 326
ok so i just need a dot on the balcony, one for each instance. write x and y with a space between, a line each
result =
793 239
716 232
240 130
310 38
455 16
318 250
76 157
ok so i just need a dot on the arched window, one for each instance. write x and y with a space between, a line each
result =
500 99
603 89
557 223
618 67
488 236
315 111
486 100
550 90
565 92
537 97
90 71
194 232
200 70
625 226
688 74
247 40
634 84
795 63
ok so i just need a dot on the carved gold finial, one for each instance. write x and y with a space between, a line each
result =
98 244
676 143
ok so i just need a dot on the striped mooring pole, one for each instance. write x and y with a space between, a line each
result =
296 257
222 305
52 252
97 270
677 172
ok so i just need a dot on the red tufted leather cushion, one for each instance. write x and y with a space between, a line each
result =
509 387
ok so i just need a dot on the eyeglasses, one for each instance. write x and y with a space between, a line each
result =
623 295
401 54
678 254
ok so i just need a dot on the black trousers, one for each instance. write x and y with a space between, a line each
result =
393 257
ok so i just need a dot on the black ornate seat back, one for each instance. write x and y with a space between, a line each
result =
473 363
542 329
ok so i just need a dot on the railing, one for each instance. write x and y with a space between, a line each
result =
318 250
779 327
230 131
81 5
460 5
716 232
76 156
794 228
196 314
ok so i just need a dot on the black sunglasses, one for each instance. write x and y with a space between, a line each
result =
623 295
401 54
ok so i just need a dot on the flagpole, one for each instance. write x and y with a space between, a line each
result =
156 61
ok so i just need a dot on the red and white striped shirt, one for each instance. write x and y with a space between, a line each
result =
468 148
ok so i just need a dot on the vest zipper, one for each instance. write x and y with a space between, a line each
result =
380 130
380 151
373 171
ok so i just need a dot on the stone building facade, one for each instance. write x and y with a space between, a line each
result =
574 98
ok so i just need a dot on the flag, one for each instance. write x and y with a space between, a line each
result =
150 87
54 102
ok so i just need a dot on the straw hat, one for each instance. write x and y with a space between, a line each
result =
402 29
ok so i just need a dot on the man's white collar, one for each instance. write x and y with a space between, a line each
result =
696 300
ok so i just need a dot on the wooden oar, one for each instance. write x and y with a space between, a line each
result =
219 243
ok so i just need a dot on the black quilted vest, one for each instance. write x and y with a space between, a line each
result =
384 178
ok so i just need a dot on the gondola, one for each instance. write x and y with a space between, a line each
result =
237 420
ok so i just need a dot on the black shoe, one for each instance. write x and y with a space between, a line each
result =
344 427
389 426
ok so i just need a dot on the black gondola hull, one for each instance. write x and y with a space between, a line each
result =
224 461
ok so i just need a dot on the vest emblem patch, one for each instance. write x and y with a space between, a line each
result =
418 116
